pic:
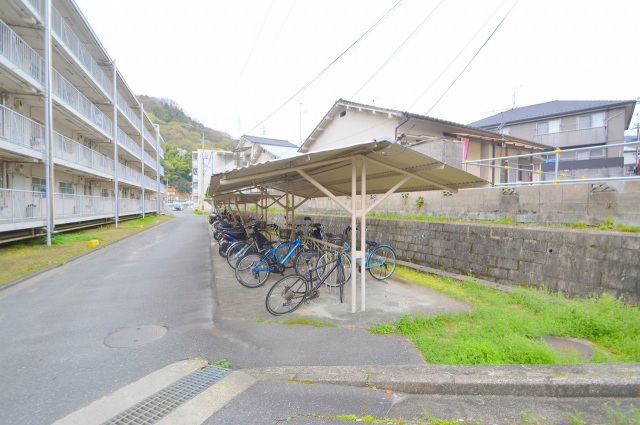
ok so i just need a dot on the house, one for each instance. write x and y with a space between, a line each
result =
204 163
452 143
254 150
567 124
103 149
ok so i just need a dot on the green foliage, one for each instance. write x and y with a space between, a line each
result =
62 238
419 202
618 416
182 135
508 327
223 363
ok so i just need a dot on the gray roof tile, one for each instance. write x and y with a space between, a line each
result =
547 109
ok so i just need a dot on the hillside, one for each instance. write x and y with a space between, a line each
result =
182 135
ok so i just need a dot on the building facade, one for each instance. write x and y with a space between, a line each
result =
591 131
75 143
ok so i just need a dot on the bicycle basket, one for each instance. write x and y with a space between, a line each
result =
285 233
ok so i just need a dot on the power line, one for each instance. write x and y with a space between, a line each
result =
399 47
474 56
328 66
456 57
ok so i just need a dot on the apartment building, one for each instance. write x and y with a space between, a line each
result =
76 147
589 133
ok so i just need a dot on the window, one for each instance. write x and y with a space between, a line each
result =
39 185
584 121
547 127
66 188
104 193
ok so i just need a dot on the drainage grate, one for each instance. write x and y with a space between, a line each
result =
157 406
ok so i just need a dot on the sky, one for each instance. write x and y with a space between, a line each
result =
274 68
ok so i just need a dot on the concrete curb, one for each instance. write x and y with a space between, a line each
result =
584 380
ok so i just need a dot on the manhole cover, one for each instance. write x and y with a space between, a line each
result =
133 337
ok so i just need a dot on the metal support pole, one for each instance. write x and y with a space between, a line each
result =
48 118
115 140
363 231
142 155
157 128
353 234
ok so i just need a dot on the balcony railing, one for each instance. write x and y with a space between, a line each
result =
20 130
20 53
30 207
129 174
62 30
74 152
72 97
573 137
128 112
127 142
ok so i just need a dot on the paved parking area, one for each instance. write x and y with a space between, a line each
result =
384 303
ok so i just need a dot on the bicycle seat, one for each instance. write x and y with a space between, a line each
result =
371 243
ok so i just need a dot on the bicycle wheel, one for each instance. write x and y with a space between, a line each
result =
326 262
234 252
286 294
247 274
305 260
382 262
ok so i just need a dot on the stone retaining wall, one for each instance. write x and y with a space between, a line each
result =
576 262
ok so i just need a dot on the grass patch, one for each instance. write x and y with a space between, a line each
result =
508 327
26 257
308 322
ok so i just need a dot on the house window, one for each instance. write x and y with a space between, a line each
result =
547 127
104 193
65 188
591 121
39 185
584 122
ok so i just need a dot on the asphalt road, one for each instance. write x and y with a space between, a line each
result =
53 327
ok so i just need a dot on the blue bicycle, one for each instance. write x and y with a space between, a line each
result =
380 259
253 270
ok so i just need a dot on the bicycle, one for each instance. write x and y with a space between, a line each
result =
380 259
289 292
258 244
253 270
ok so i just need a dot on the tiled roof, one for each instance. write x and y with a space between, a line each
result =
271 142
548 109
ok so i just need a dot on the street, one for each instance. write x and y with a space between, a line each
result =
54 359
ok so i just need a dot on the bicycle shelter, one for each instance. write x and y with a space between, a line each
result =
376 167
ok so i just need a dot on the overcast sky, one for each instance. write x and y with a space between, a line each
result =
233 64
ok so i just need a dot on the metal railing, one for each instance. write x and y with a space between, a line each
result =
20 53
20 130
127 142
24 206
62 30
548 168
128 112
77 153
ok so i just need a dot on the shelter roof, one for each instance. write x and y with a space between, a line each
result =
387 163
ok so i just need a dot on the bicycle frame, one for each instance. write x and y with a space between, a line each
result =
292 247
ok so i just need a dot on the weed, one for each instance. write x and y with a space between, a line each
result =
618 416
575 417
508 327
223 363
419 202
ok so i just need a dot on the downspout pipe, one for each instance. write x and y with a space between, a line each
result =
406 119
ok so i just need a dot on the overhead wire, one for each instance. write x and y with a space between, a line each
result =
424 21
371 28
474 56
455 58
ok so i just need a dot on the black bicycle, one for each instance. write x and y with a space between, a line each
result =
288 293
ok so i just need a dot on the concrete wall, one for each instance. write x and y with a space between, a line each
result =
569 203
578 263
